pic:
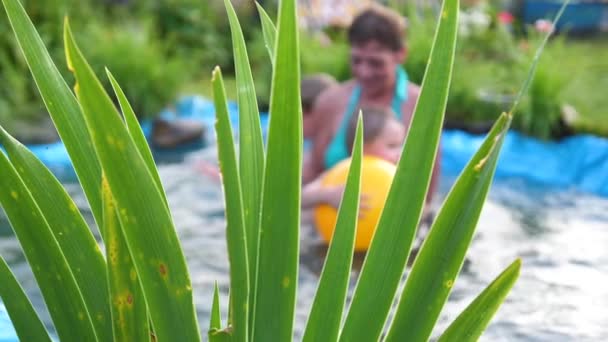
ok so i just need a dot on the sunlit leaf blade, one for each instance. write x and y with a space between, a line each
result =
137 133
279 235
26 322
216 316
269 31
69 229
251 148
471 323
65 303
129 314
528 81
326 313
143 215
396 229
61 104
439 261
237 243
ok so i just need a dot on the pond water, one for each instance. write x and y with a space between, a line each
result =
562 237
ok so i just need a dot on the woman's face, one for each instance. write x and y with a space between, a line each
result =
373 66
388 144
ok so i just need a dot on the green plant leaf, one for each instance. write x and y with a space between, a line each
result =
439 261
236 235
269 31
216 316
471 323
61 104
65 303
137 134
530 78
396 228
220 335
279 236
326 313
251 152
129 314
69 228
143 215
26 322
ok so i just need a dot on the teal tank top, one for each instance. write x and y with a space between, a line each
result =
337 150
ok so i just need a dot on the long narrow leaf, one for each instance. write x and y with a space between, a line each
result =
69 229
137 134
471 323
279 235
396 229
269 31
61 104
251 150
143 215
129 314
237 243
65 303
216 316
442 254
528 81
26 322
326 313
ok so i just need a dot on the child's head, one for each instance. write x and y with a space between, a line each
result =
311 86
383 134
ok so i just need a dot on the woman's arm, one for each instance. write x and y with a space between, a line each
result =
314 194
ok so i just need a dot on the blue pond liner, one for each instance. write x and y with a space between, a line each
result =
579 162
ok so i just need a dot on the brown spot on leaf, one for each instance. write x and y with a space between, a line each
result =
163 269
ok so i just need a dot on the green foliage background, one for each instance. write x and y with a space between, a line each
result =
153 48
160 49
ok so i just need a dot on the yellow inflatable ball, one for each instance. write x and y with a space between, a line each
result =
376 178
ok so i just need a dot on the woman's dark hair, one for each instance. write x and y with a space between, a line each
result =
380 24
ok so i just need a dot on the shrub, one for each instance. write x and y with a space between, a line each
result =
149 77
141 61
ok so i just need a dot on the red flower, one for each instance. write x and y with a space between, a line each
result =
505 17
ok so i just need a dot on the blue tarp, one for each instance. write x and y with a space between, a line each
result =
579 162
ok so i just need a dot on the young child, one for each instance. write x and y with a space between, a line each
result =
383 137
310 88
